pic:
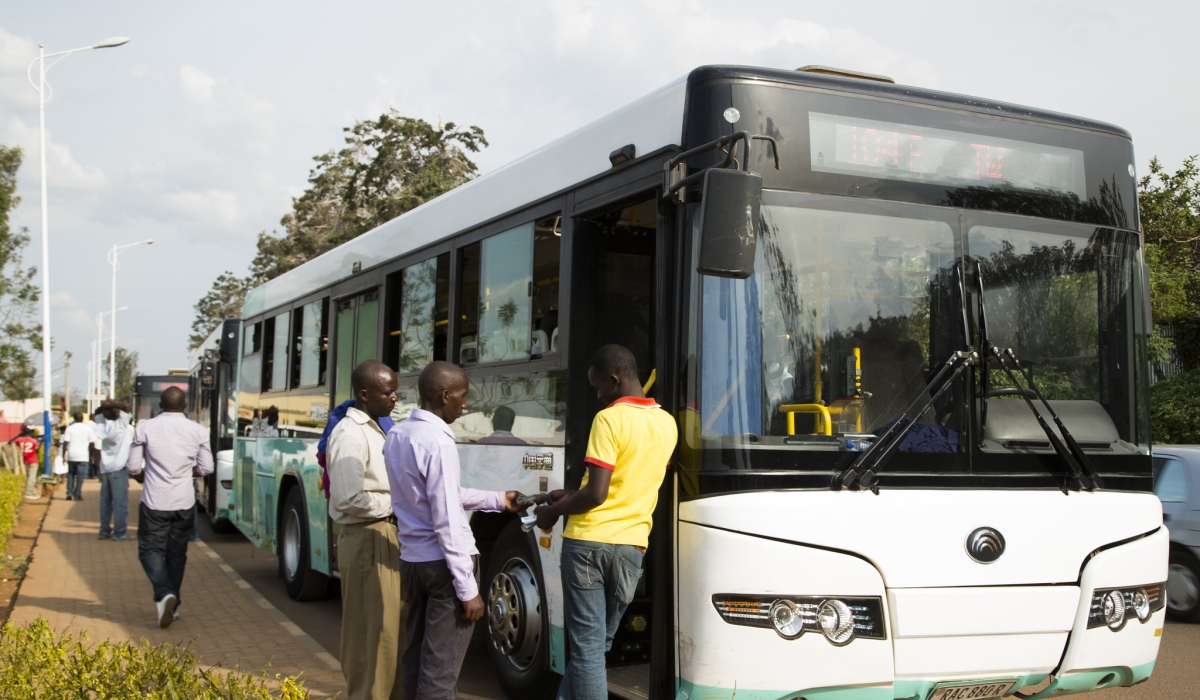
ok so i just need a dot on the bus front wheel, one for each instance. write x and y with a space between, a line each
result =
301 581
517 621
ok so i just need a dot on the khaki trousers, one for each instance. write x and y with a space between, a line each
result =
372 611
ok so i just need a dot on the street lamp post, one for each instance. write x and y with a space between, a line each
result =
40 87
112 354
97 354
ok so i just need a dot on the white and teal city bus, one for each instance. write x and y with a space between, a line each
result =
904 334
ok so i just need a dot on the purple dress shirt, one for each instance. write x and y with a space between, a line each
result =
429 502
171 445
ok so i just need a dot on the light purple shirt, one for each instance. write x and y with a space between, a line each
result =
429 502
171 445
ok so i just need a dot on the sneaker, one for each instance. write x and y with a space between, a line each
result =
69 497
175 615
166 610
104 537
122 538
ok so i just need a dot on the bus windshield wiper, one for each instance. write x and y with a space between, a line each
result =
1072 454
864 469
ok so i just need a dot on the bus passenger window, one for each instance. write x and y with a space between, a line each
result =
468 304
275 337
506 286
418 300
251 382
311 344
547 236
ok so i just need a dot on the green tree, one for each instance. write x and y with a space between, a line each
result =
223 301
127 361
1169 206
20 335
388 166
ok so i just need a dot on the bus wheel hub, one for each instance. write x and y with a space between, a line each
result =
514 613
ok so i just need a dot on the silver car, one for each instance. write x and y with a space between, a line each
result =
1177 484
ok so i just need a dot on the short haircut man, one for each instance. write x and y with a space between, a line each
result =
77 441
368 549
503 419
170 449
438 558
610 516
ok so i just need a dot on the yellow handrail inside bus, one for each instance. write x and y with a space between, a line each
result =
824 421
650 381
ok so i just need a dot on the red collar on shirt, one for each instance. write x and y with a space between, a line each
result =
635 401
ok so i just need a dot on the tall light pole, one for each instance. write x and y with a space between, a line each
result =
112 354
97 354
40 87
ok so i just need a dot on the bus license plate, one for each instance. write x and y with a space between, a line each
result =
974 691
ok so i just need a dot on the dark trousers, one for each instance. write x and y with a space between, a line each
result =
162 547
76 473
436 634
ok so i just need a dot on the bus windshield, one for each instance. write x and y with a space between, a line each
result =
832 334
853 306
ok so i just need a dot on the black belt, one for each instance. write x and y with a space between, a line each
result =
389 519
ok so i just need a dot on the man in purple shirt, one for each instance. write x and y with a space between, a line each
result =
437 550
174 450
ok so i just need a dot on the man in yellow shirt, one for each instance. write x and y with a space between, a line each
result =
610 517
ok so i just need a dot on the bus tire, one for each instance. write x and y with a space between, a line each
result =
517 624
1183 587
301 581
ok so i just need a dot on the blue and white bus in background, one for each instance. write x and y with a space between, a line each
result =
904 334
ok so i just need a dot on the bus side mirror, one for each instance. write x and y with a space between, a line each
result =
729 217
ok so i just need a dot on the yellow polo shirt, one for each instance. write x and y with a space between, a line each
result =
634 439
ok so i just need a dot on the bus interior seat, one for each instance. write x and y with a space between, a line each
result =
1010 424
539 343
893 372
554 340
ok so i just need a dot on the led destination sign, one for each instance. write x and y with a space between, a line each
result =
891 151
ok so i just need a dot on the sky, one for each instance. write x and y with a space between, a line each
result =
199 131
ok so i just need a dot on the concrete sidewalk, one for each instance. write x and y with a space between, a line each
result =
79 583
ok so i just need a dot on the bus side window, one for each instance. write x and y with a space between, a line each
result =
311 351
250 383
274 358
547 239
418 314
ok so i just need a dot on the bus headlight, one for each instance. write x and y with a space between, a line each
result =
836 620
1112 607
786 619
841 619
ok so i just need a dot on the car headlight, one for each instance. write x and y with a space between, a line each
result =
841 619
1112 607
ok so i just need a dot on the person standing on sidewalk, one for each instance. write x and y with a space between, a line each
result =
438 558
606 536
174 450
368 551
77 439
116 437
29 455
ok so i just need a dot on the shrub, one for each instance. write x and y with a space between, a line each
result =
1175 409
35 663
12 487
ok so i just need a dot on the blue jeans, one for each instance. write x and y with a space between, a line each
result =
114 503
76 473
598 582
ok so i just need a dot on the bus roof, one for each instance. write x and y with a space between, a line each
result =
649 123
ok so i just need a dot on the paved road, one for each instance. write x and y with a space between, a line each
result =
1175 676
322 619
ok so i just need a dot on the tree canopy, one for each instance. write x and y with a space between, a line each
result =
389 165
20 334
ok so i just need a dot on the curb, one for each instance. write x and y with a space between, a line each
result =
290 627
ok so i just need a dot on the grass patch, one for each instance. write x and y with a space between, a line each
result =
12 488
36 663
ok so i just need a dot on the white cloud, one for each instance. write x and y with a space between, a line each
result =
15 54
224 104
62 169
67 311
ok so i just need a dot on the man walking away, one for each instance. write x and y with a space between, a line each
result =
112 426
175 450
77 439
438 558
368 551
605 538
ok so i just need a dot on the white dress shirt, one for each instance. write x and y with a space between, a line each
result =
358 482
171 446
78 437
